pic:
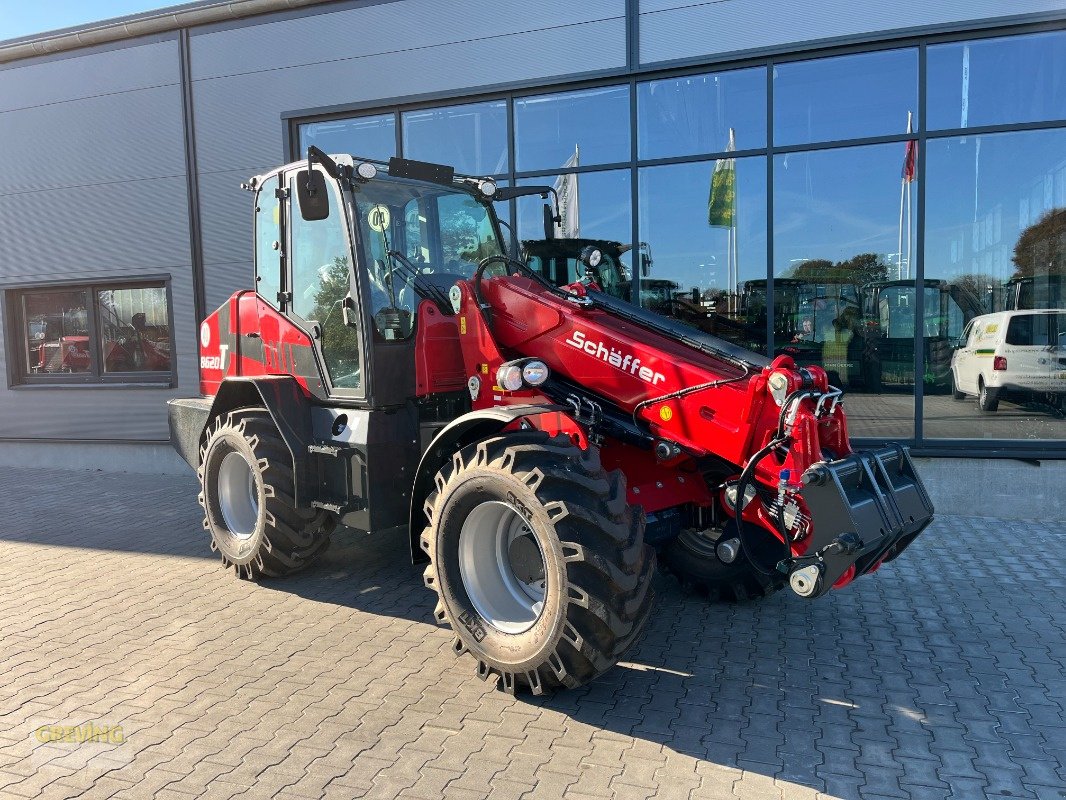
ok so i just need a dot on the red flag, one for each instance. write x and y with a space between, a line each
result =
910 161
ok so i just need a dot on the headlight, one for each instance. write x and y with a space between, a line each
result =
535 372
509 377
487 188
366 171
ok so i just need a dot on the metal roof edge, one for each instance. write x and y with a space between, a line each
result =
202 12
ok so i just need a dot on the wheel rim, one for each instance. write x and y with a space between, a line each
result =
238 495
502 567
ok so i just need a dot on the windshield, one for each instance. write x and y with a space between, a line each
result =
417 241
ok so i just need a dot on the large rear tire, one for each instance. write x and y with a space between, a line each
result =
539 564
987 399
693 559
246 490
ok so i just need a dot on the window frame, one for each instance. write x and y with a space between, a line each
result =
19 374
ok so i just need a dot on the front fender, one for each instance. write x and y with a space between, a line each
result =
457 434
280 395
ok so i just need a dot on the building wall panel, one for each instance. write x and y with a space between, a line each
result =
118 137
93 188
674 29
79 75
387 27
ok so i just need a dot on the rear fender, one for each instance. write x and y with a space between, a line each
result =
459 433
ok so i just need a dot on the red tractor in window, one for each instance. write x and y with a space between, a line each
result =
538 444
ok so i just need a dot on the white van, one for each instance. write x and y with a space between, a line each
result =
1010 351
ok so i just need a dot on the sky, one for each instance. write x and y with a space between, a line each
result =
25 17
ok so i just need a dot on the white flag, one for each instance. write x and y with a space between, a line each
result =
569 205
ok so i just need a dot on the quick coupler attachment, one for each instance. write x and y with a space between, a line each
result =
865 509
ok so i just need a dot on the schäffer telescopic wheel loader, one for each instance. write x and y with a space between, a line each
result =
394 370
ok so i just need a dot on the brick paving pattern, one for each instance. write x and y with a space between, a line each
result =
943 676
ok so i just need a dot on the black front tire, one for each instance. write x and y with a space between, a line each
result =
276 538
597 571
693 559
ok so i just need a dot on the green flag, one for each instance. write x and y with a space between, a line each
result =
722 202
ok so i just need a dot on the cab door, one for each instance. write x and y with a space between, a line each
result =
319 297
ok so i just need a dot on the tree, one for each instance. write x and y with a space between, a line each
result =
858 270
1041 248
976 292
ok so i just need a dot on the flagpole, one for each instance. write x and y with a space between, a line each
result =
899 249
910 238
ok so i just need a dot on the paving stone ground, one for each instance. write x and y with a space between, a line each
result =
942 676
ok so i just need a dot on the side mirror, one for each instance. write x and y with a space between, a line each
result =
312 195
347 310
549 222
645 265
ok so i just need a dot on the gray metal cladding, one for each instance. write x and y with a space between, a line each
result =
105 139
222 280
680 29
238 118
226 216
93 188
23 85
390 27
95 230
70 412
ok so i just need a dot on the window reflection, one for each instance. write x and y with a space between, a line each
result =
371 136
844 290
846 97
694 114
996 236
599 207
996 81
472 137
709 242
134 329
570 129
56 332
595 210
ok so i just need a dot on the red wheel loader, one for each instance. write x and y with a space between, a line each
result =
396 372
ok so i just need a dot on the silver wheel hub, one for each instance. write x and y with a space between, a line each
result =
238 495
502 567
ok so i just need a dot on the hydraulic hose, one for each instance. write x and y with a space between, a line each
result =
742 486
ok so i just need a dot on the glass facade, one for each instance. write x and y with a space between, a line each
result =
896 216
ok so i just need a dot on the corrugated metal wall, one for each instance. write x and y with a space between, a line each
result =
92 185
245 78
672 30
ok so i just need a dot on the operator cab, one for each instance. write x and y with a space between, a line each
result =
410 229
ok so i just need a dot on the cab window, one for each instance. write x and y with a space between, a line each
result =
268 242
321 279
417 241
